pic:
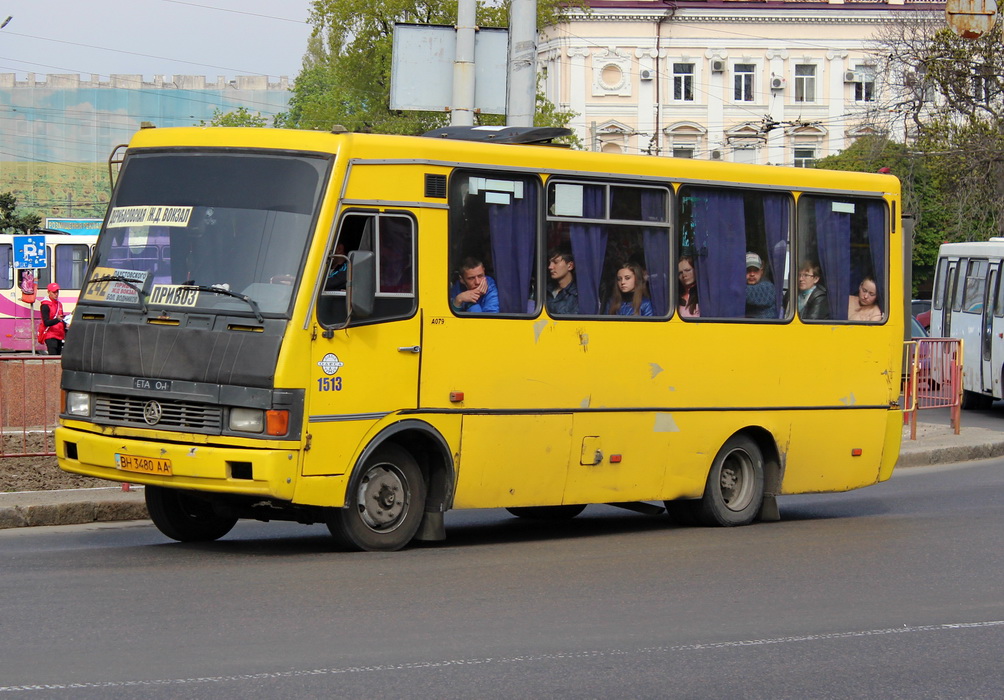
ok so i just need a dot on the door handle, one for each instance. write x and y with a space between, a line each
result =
411 348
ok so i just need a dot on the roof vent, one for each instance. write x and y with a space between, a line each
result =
500 134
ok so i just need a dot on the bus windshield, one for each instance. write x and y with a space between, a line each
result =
204 232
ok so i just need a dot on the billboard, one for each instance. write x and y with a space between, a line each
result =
81 226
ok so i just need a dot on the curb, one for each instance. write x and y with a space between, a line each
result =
955 453
70 508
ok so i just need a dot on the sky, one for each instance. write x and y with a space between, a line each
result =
154 37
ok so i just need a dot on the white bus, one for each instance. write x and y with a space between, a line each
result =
968 303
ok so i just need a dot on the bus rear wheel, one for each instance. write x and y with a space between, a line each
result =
734 490
184 517
547 512
383 510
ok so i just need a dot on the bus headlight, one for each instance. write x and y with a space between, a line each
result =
78 403
247 420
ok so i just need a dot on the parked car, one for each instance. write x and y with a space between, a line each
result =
918 306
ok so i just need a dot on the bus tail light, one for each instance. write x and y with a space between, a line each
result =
276 422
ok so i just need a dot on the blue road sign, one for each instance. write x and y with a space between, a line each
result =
30 253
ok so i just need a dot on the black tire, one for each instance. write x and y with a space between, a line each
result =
547 512
975 401
686 513
383 509
734 491
186 517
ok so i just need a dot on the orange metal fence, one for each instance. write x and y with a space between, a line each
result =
29 405
933 379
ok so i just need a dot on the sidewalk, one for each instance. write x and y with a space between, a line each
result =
935 444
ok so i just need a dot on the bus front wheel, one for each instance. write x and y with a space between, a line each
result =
184 517
384 508
734 490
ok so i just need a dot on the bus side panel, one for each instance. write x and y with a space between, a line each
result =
822 450
618 457
513 460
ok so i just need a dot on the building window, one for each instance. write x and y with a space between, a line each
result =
805 157
743 74
683 152
805 83
864 86
683 82
984 85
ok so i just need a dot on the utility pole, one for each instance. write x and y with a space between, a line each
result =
521 100
462 111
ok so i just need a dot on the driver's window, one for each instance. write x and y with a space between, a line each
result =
392 238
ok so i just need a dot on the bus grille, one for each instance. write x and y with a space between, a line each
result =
175 415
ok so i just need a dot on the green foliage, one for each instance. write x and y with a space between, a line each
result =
13 222
346 75
239 117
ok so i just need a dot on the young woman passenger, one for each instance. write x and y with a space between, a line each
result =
864 306
688 288
631 296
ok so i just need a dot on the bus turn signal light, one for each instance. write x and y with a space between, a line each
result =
856 452
276 422
456 396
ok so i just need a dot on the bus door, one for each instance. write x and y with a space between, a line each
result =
990 375
948 294
363 372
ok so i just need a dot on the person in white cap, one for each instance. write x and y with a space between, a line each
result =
761 301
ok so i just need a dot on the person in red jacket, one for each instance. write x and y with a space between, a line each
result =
52 319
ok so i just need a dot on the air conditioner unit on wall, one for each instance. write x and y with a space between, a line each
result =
850 76
777 83
717 65
645 74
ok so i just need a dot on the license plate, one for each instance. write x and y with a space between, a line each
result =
143 465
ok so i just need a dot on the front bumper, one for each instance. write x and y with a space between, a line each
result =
265 473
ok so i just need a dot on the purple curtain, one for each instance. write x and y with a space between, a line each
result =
876 245
720 253
656 242
776 215
589 246
833 241
513 229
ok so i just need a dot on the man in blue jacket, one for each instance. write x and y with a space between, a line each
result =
474 292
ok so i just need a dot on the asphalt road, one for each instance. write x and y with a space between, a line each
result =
894 591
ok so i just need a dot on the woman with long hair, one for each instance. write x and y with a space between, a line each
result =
631 295
688 287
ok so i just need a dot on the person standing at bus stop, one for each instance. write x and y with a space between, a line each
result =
52 321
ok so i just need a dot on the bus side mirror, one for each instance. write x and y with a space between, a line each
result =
361 284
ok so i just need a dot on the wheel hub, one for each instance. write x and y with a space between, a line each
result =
383 499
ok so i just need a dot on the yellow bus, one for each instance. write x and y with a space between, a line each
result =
367 331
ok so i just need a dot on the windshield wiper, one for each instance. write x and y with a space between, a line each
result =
119 278
221 290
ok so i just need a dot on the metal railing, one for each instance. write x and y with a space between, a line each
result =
933 379
29 405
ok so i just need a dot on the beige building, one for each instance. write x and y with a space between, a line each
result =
777 82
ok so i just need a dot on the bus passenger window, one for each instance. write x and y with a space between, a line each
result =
733 253
846 241
493 241
392 238
6 264
608 249
976 281
71 264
